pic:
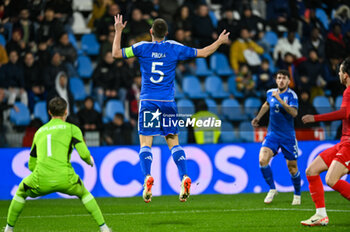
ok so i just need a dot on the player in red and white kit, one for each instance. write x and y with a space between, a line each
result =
335 159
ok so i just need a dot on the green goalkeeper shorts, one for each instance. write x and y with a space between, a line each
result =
67 182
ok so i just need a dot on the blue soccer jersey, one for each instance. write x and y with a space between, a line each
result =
281 123
158 61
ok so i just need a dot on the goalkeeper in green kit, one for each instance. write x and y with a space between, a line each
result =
51 168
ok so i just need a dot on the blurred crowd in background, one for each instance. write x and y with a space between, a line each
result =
63 48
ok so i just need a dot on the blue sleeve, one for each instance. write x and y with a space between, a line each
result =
293 100
185 53
137 49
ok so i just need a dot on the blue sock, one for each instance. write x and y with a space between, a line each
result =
145 160
296 182
180 159
267 173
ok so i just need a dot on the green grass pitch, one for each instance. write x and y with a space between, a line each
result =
241 212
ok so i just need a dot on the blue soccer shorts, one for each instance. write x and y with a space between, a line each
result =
289 147
157 118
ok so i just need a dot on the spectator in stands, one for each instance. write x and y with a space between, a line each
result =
3 107
106 23
265 78
138 27
106 45
289 44
61 89
184 67
282 15
16 43
182 37
331 70
118 132
34 83
133 98
98 10
311 22
105 78
68 54
44 55
315 42
26 27
63 10
305 107
203 29
149 8
167 10
3 56
50 72
260 8
240 47
35 8
183 21
342 17
287 63
311 75
29 133
50 28
13 73
205 135
229 23
127 69
253 23
89 118
244 81
335 45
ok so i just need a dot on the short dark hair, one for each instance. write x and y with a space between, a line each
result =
346 66
119 115
283 72
57 106
159 28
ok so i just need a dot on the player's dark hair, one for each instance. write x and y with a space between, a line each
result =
346 66
283 72
57 106
159 28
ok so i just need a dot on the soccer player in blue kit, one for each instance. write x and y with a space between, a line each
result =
158 60
283 105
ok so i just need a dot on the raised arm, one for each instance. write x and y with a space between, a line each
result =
208 50
119 27
265 107
332 116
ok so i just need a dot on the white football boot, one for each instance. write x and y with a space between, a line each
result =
270 195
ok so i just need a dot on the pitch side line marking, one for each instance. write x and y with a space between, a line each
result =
182 212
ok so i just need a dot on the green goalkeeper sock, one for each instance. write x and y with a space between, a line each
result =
16 207
91 206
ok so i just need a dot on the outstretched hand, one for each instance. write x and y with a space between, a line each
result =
308 118
223 37
118 23
255 122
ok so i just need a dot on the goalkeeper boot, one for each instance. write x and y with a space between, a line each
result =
147 189
270 195
105 228
316 220
185 189
296 200
8 228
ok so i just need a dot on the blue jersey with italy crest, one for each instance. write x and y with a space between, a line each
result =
158 62
281 123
